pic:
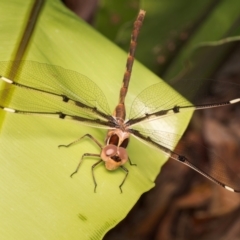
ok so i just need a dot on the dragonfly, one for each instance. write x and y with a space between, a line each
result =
40 91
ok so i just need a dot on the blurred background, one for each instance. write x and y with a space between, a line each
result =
182 40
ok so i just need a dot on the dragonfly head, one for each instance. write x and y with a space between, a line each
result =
114 156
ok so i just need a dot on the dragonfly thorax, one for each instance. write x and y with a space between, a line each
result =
120 112
118 137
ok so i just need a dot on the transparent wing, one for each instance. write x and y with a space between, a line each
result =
57 80
42 88
212 166
166 139
161 100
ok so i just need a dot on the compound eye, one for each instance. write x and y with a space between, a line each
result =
114 139
125 142
110 150
123 154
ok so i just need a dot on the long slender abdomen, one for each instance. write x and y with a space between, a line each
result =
120 111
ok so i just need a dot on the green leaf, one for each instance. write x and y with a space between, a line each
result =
221 22
38 198
173 29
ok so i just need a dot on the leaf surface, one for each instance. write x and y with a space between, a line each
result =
39 200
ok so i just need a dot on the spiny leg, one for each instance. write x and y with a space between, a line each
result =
86 135
132 164
126 171
94 180
84 155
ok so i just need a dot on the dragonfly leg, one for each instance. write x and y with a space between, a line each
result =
94 179
126 171
132 164
86 135
84 155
